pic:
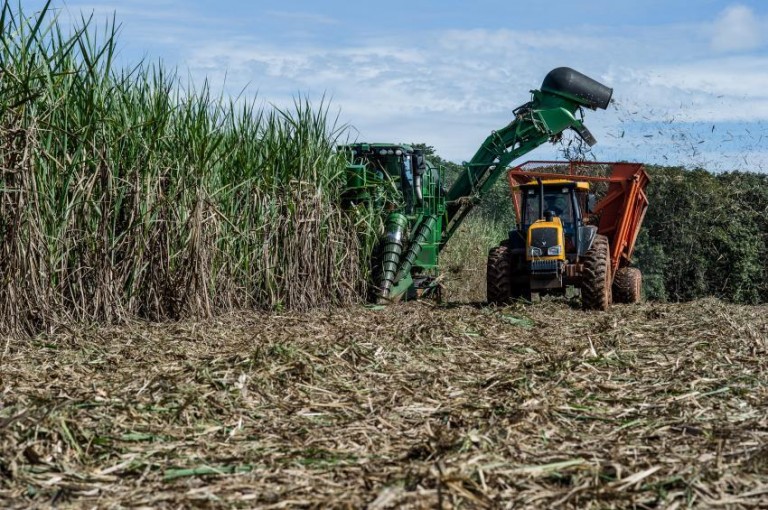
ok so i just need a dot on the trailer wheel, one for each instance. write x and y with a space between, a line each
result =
628 285
498 275
596 279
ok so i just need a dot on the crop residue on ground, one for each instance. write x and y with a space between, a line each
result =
411 406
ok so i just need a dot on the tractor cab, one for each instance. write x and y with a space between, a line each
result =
551 234
552 204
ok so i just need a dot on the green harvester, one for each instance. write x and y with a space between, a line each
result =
421 215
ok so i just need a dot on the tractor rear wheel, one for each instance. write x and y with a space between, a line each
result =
499 275
596 279
628 285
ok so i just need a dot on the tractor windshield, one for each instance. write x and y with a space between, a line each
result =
557 200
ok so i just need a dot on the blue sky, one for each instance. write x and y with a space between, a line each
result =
690 77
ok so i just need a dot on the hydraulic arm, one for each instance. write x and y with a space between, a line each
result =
551 111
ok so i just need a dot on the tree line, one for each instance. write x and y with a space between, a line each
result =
705 233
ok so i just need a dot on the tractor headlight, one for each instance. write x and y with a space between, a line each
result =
554 251
535 252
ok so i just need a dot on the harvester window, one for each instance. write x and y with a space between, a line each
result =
407 170
406 180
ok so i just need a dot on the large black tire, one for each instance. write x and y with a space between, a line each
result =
628 285
499 275
596 279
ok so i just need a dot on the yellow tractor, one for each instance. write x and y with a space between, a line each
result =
565 238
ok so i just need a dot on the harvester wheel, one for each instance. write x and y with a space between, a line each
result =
596 280
498 275
627 285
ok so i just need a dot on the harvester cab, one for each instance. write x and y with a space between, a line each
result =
392 175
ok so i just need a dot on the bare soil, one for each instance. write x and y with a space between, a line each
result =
409 406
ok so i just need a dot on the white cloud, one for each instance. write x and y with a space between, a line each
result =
450 88
145 24
302 17
708 90
143 10
737 29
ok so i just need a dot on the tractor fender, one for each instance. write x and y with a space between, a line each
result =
587 236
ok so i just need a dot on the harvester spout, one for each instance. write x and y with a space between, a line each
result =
567 84
573 85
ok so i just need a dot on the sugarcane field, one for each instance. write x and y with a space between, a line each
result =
220 293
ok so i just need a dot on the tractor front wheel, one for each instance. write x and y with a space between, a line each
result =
499 275
596 279
628 285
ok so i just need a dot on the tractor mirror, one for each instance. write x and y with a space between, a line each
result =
591 203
